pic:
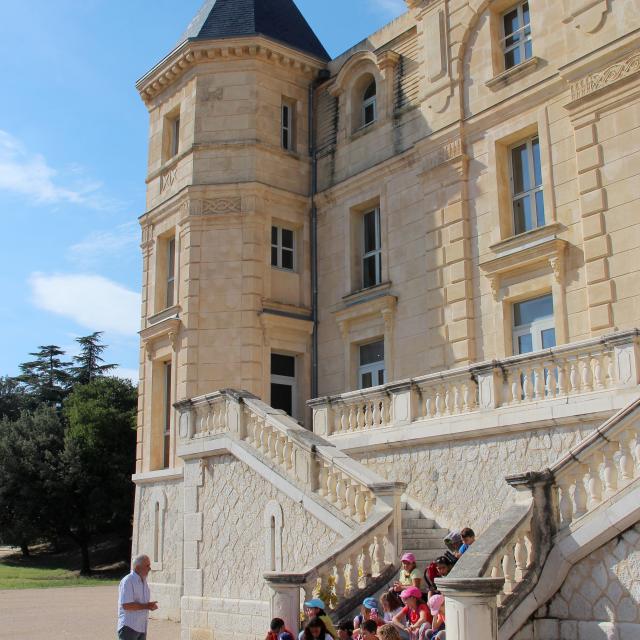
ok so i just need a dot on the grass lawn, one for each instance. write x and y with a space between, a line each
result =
17 577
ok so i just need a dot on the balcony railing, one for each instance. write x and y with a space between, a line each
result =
599 364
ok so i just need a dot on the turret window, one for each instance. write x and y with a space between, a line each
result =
369 108
287 125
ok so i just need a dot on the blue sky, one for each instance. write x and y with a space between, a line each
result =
73 136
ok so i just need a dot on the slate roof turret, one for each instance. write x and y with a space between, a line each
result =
279 20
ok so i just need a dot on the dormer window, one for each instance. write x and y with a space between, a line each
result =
369 110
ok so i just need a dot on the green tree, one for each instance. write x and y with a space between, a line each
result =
30 450
98 460
13 398
89 362
47 377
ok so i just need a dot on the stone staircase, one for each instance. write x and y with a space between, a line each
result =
421 536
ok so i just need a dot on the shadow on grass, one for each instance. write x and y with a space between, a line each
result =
49 567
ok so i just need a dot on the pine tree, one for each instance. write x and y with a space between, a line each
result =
89 362
47 377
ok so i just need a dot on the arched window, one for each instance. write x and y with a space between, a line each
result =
273 536
369 111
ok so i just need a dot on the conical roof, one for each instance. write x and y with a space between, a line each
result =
280 20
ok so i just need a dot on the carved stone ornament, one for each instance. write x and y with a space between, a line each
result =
168 178
446 153
216 206
620 69
586 15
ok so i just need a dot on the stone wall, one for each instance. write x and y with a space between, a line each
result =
461 482
165 579
600 597
233 553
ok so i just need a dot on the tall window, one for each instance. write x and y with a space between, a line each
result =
371 370
166 459
516 41
533 325
282 248
287 125
372 249
171 272
369 109
283 382
526 186
175 136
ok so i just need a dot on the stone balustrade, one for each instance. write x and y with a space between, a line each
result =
292 450
596 365
598 467
507 560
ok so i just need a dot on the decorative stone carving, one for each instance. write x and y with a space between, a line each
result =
623 68
586 15
168 178
449 151
216 206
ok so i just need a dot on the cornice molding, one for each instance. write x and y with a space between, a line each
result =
176 64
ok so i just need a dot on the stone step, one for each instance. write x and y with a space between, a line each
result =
421 543
419 523
435 534
425 557
411 515
421 529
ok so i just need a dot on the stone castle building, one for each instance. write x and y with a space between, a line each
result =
387 294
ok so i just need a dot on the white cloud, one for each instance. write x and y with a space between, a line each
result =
92 301
28 174
116 243
395 7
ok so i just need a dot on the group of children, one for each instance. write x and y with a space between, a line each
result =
407 611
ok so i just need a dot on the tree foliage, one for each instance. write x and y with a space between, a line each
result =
67 449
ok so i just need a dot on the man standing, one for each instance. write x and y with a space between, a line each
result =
134 601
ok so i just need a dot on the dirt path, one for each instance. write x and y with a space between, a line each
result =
77 613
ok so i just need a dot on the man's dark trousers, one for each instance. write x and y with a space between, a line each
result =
126 633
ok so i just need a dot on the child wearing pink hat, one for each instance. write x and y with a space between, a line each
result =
436 607
416 612
409 575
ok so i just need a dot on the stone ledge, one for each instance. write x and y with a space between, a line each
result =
512 74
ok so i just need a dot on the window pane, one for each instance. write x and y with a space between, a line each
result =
285 138
522 215
369 114
510 22
366 380
170 293
287 238
369 272
274 256
548 338
381 376
537 167
530 310
283 365
274 235
287 259
525 343
528 50
282 397
171 268
525 13
520 168
285 116
373 352
371 91
370 240
540 208
511 58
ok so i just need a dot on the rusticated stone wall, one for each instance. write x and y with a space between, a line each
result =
461 482
600 597
233 553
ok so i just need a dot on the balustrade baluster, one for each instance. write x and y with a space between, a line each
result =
340 491
273 438
574 378
353 423
610 471
521 557
361 504
586 373
611 372
429 405
344 418
562 379
323 479
377 419
527 387
366 564
457 399
466 397
331 484
538 378
565 502
360 416
280 441
439 402
448 400
515 386
340 580
598 382
579 493
637 453
594 483
386 411
550 382
509 568
626 460
351 497
289 454
379 554
353 575
369 501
